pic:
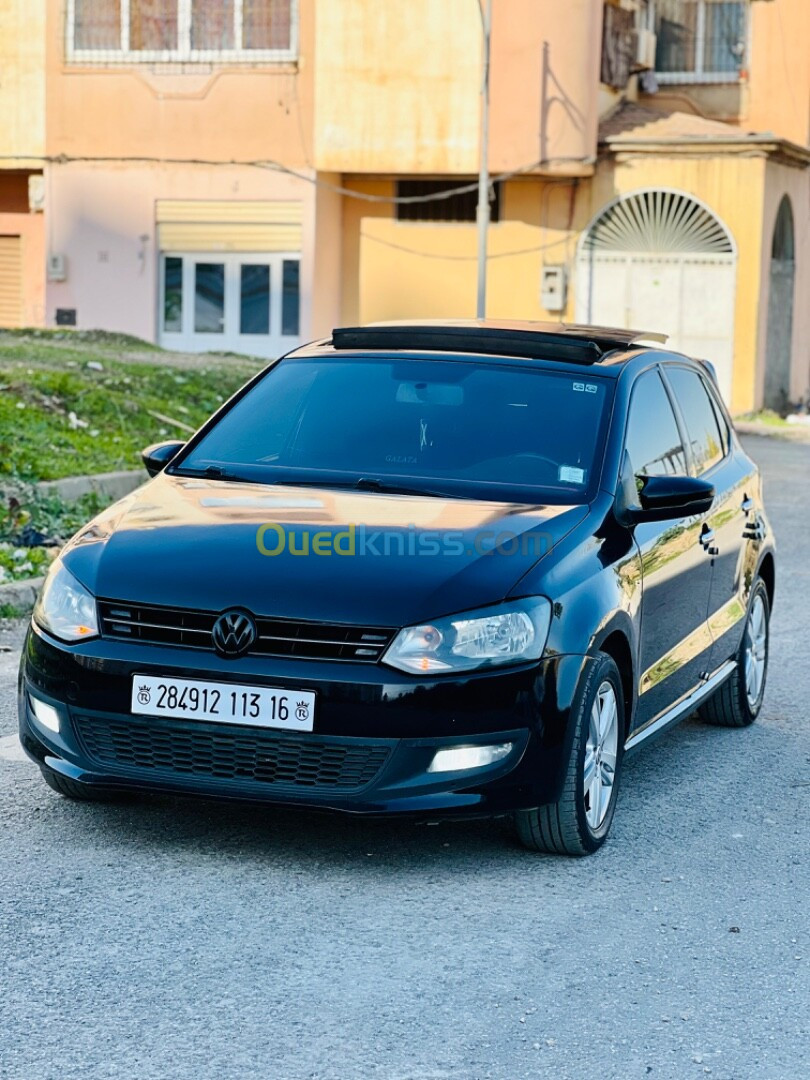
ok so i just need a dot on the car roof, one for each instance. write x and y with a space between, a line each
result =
523 340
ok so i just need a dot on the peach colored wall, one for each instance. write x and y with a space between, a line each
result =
233 112
545 83
102 218
397 85
327 254
780 69
31 229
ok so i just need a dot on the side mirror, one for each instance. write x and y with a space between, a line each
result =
156 457
664 498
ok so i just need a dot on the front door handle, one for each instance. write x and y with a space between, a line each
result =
707 540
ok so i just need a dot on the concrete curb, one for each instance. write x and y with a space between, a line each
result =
21 594
795 433
114 485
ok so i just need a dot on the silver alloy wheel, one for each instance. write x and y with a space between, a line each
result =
756 649
601 750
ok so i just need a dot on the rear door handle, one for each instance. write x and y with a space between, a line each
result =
707 540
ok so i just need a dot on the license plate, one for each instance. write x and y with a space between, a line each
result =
223 703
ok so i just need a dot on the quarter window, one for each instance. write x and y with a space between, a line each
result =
109 31
699 417
653 441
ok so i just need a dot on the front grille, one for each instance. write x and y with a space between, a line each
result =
168 747
277 637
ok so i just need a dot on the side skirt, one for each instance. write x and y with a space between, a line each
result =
682 709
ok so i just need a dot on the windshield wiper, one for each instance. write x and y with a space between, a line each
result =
363 483
215 472
368 483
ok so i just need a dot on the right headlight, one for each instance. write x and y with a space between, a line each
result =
509 633
64 607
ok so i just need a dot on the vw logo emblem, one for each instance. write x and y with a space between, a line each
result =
234 633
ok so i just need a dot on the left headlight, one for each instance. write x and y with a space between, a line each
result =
510 633
64 607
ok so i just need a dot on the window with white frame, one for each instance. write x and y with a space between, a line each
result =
700 40
157 31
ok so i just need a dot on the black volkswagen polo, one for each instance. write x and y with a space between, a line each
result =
432 570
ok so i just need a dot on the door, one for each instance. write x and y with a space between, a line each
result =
241 303
10 281
691 299
732 514
676 572
660 260
780 311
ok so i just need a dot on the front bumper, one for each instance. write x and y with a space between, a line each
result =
375 735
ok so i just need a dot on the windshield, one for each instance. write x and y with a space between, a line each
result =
440 426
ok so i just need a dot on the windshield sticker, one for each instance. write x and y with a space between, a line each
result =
586 387
570 474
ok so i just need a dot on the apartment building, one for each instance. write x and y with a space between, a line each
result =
245 174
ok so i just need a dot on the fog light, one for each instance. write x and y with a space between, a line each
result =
45 714
458 758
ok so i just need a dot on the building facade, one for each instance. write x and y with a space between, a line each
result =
245 174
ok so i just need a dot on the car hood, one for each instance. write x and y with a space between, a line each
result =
197 544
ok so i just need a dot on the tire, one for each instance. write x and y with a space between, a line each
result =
733 704
73 789
573 825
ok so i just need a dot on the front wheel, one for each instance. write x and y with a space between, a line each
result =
738 701
578 823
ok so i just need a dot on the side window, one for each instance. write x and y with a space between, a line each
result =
653 442
699 417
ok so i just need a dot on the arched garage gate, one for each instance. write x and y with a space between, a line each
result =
660 260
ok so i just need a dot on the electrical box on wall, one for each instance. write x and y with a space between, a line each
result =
36 193
553 288
57 268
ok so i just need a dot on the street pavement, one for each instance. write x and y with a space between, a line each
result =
175 939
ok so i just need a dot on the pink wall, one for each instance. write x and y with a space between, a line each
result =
102 219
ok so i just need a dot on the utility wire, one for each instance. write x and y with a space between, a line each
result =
277 166
466 258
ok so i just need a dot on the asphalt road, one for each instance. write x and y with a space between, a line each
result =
175 939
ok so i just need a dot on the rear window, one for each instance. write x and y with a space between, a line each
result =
700 417
455 426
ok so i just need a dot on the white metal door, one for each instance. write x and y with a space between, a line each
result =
688 297
661 260
244 303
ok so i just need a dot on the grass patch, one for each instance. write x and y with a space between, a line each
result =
60 417
9 611
764 416
33 527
